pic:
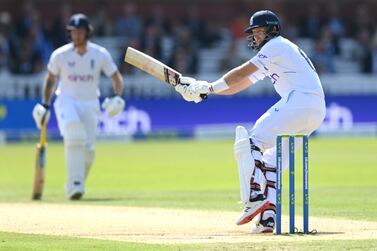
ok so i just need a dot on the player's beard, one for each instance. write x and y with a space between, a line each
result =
79 42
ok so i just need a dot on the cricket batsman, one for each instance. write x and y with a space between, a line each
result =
77 68
300 110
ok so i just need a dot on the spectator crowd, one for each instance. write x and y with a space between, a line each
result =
27 40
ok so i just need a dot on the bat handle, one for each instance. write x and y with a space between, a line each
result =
204 96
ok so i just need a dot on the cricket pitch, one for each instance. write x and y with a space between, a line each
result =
162 226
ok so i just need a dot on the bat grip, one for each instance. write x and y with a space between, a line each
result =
42 139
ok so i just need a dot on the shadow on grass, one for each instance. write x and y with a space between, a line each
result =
101 199
329 233
312 232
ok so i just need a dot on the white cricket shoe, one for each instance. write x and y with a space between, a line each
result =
263 226
253 208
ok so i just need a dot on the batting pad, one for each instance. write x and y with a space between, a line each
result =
245 161
74 145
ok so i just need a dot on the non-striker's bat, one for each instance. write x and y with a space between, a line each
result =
154 67
40 162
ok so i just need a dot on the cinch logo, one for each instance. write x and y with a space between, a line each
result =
128 122
81 78
274 77
261 55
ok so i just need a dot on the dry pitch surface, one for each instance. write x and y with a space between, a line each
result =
163 226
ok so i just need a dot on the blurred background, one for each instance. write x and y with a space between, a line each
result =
203 39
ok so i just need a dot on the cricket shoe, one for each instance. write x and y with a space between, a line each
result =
253 208
75 196
264 226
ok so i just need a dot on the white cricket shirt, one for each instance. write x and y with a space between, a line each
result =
79 75
288 68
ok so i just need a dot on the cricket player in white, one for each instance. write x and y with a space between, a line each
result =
78 66
300 110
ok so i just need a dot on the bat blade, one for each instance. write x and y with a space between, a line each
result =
39 175
152 66
40 165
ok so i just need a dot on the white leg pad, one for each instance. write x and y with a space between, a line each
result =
90 154
74 142
245 161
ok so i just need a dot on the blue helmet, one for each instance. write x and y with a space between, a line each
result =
263 18
79 21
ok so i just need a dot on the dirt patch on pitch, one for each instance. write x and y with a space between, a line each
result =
156 225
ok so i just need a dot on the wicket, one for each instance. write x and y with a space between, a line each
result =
291 142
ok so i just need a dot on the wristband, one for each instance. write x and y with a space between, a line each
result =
218 86
46 106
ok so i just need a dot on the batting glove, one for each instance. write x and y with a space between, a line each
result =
113 106
41 113
192 89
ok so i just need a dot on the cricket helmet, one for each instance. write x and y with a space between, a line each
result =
263 18
80 21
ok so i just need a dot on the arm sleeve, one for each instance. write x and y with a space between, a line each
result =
259 75
108 65
53 65
269 54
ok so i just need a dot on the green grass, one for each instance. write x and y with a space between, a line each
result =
193 174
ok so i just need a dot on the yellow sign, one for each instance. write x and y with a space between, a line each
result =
3 112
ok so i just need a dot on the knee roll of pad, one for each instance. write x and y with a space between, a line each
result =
244 145
242 142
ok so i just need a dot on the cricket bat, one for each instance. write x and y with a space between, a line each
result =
40 162
154 67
